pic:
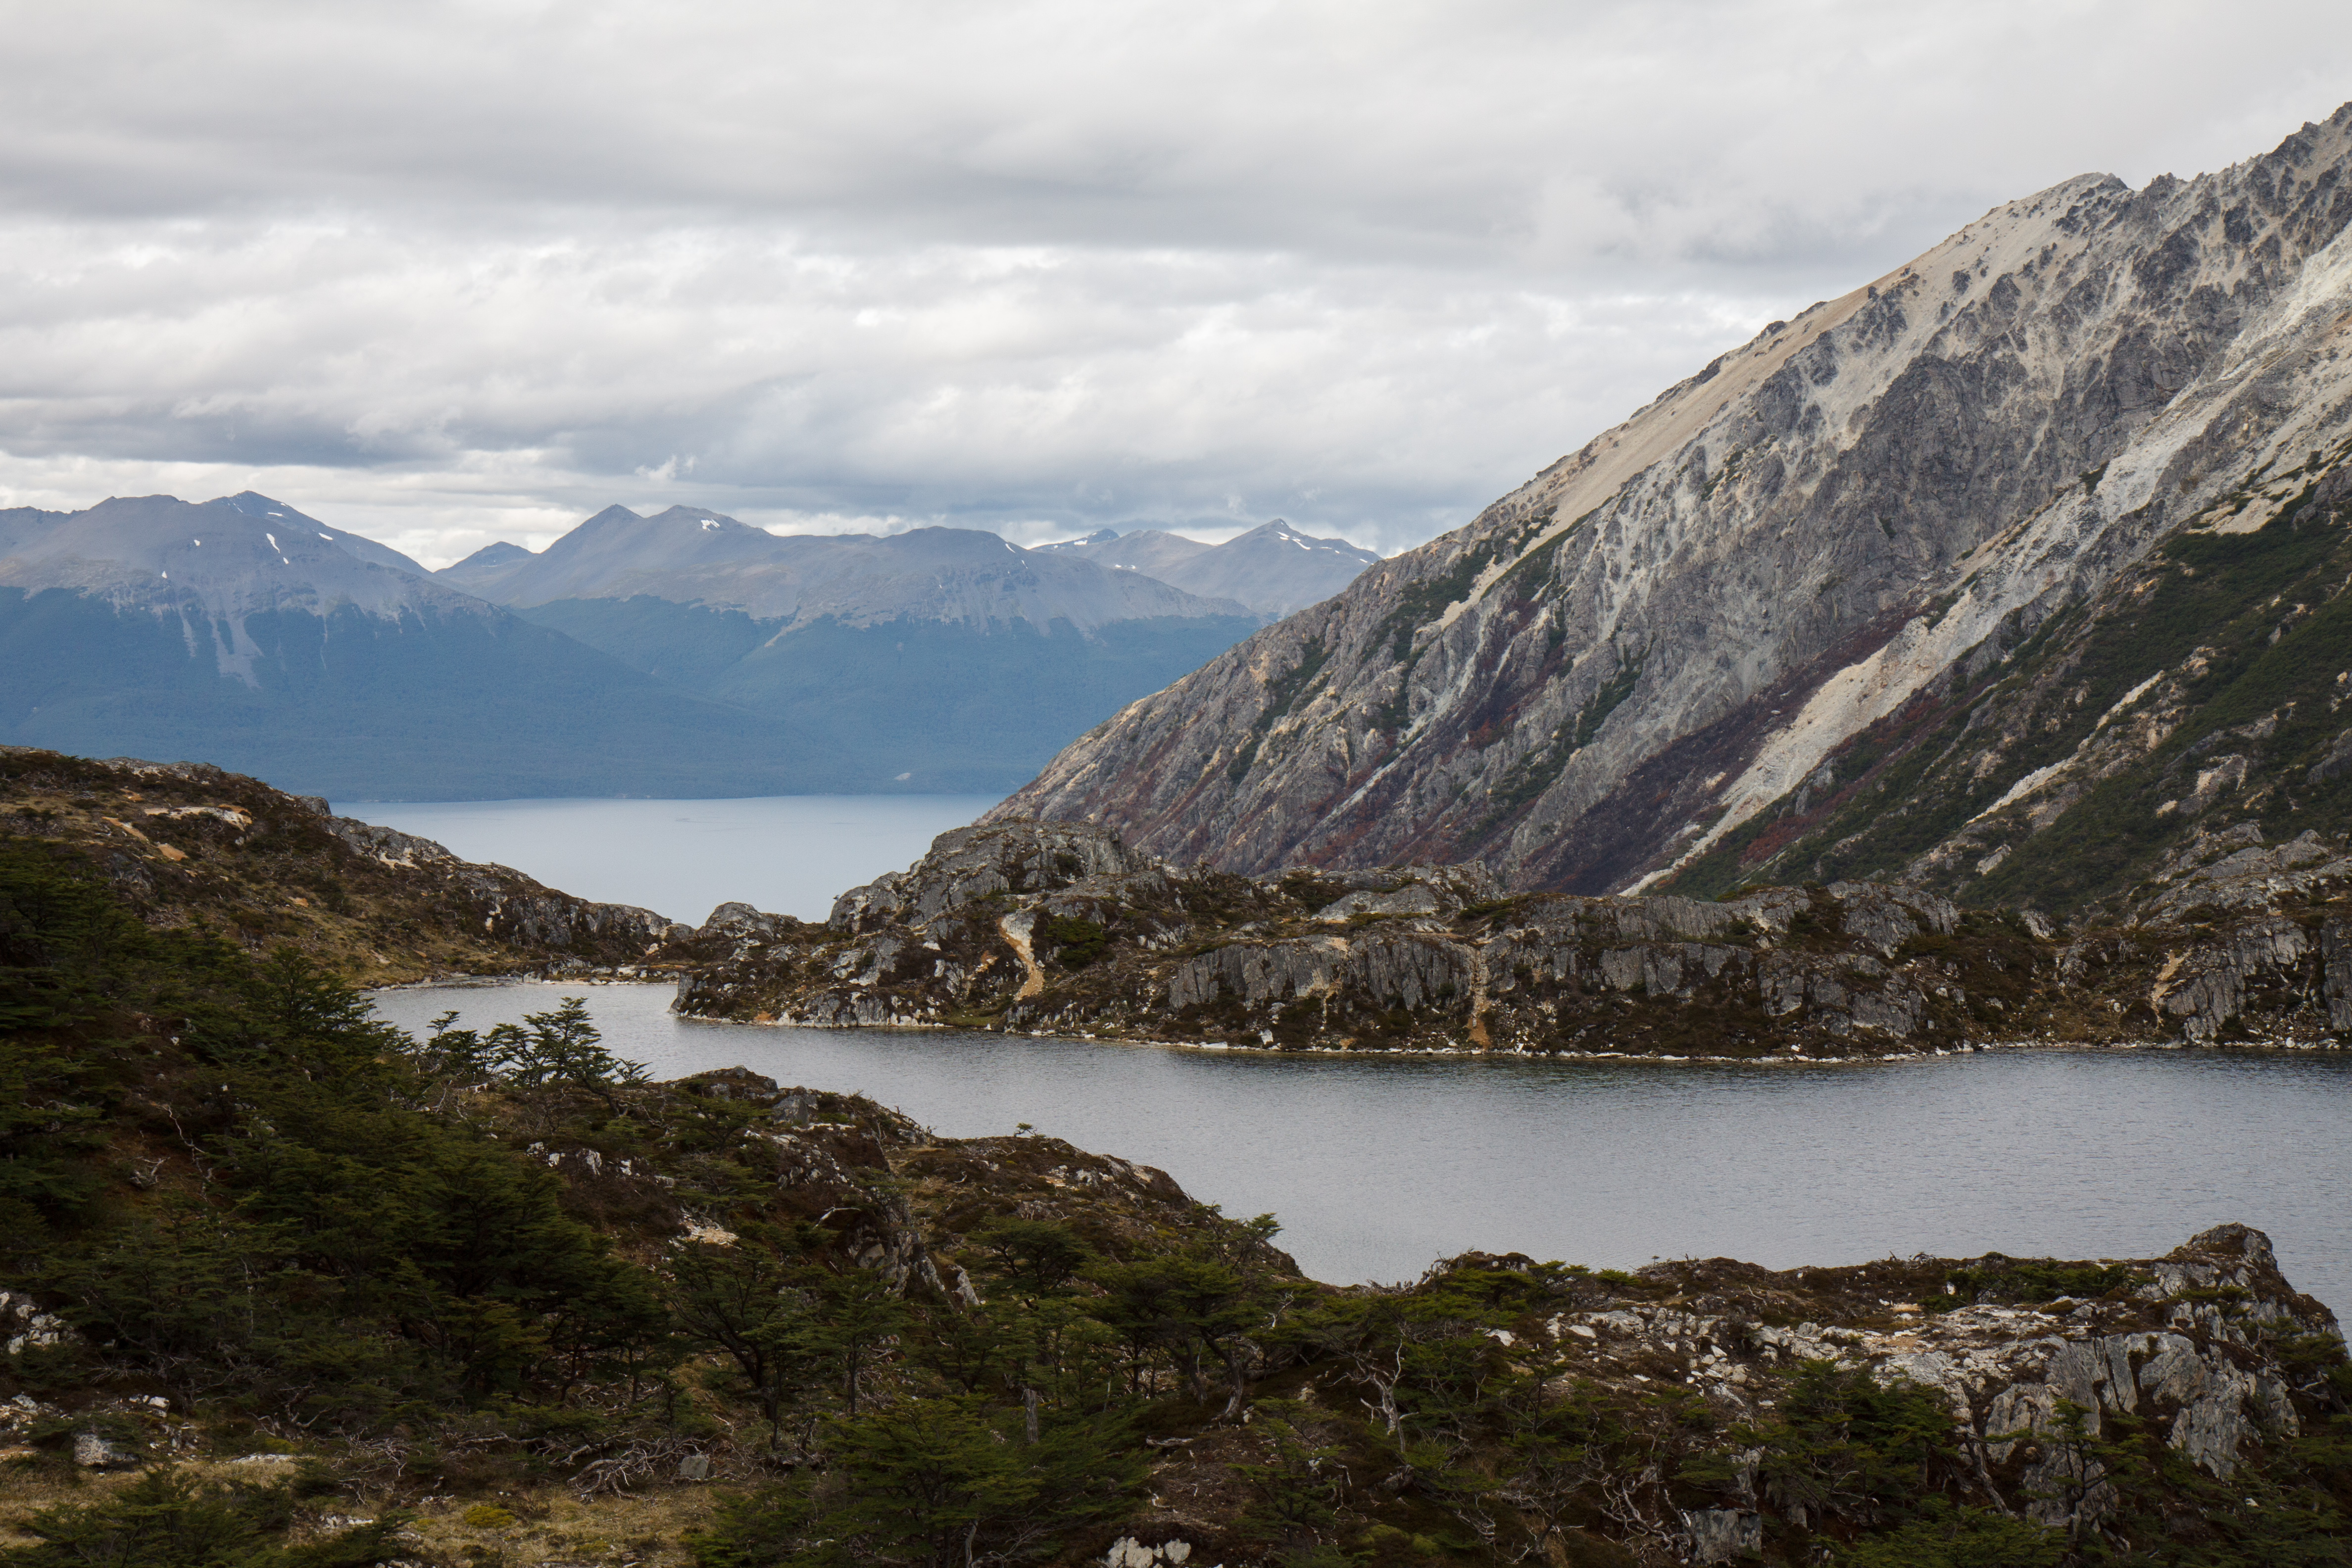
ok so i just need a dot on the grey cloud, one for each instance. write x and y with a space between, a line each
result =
1031 266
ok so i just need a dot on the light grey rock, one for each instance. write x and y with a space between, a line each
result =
24 1326
1724 1534
1666 632
1126 1551
92 1452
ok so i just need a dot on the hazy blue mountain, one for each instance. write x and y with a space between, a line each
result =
244 633
695 556
940 659
488 555
1154 551
1273 569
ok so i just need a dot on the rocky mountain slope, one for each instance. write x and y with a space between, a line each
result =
938 659
1853 522
243 632
189 846
1274 568
2197 698
1055 927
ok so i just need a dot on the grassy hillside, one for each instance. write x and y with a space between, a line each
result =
198 851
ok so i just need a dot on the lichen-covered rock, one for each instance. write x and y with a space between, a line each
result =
1059 928
24 1326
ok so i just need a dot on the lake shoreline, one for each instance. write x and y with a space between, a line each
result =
1434 1053
1379 1162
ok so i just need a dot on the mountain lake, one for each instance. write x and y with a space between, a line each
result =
1377 1166
789 855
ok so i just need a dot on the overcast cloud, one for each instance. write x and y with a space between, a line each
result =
448 273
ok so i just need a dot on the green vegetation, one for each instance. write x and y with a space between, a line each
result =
1614 692
2013 1280
484 1262
2252 626
362 1238
1077 943
163 1520
1416 606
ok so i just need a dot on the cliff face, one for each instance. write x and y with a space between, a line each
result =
1627 660
1058 928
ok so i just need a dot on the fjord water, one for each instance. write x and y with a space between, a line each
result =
789 855
1378 1167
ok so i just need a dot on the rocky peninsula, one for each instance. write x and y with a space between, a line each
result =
1062 928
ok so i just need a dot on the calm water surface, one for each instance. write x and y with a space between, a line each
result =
787 854
1376 1167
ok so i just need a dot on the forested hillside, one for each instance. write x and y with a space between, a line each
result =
287 1286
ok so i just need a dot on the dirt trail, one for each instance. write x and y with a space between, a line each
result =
1014 929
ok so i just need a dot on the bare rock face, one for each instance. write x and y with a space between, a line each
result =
1620 664
1055 927
1060 929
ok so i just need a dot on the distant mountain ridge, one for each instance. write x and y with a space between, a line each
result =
695 556
1758 624
153 551
939 658
1274 569
241 630
244 630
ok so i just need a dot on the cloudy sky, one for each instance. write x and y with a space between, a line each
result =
445 273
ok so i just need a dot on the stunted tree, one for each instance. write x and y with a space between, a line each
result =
563 1046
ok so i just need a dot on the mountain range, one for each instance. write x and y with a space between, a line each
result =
684 654
2009 573
1274 569
941 658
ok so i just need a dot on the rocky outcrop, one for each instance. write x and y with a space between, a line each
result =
1060 929
1052 927
892 1198
2075 1395
1630 662
2232 939
186 842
